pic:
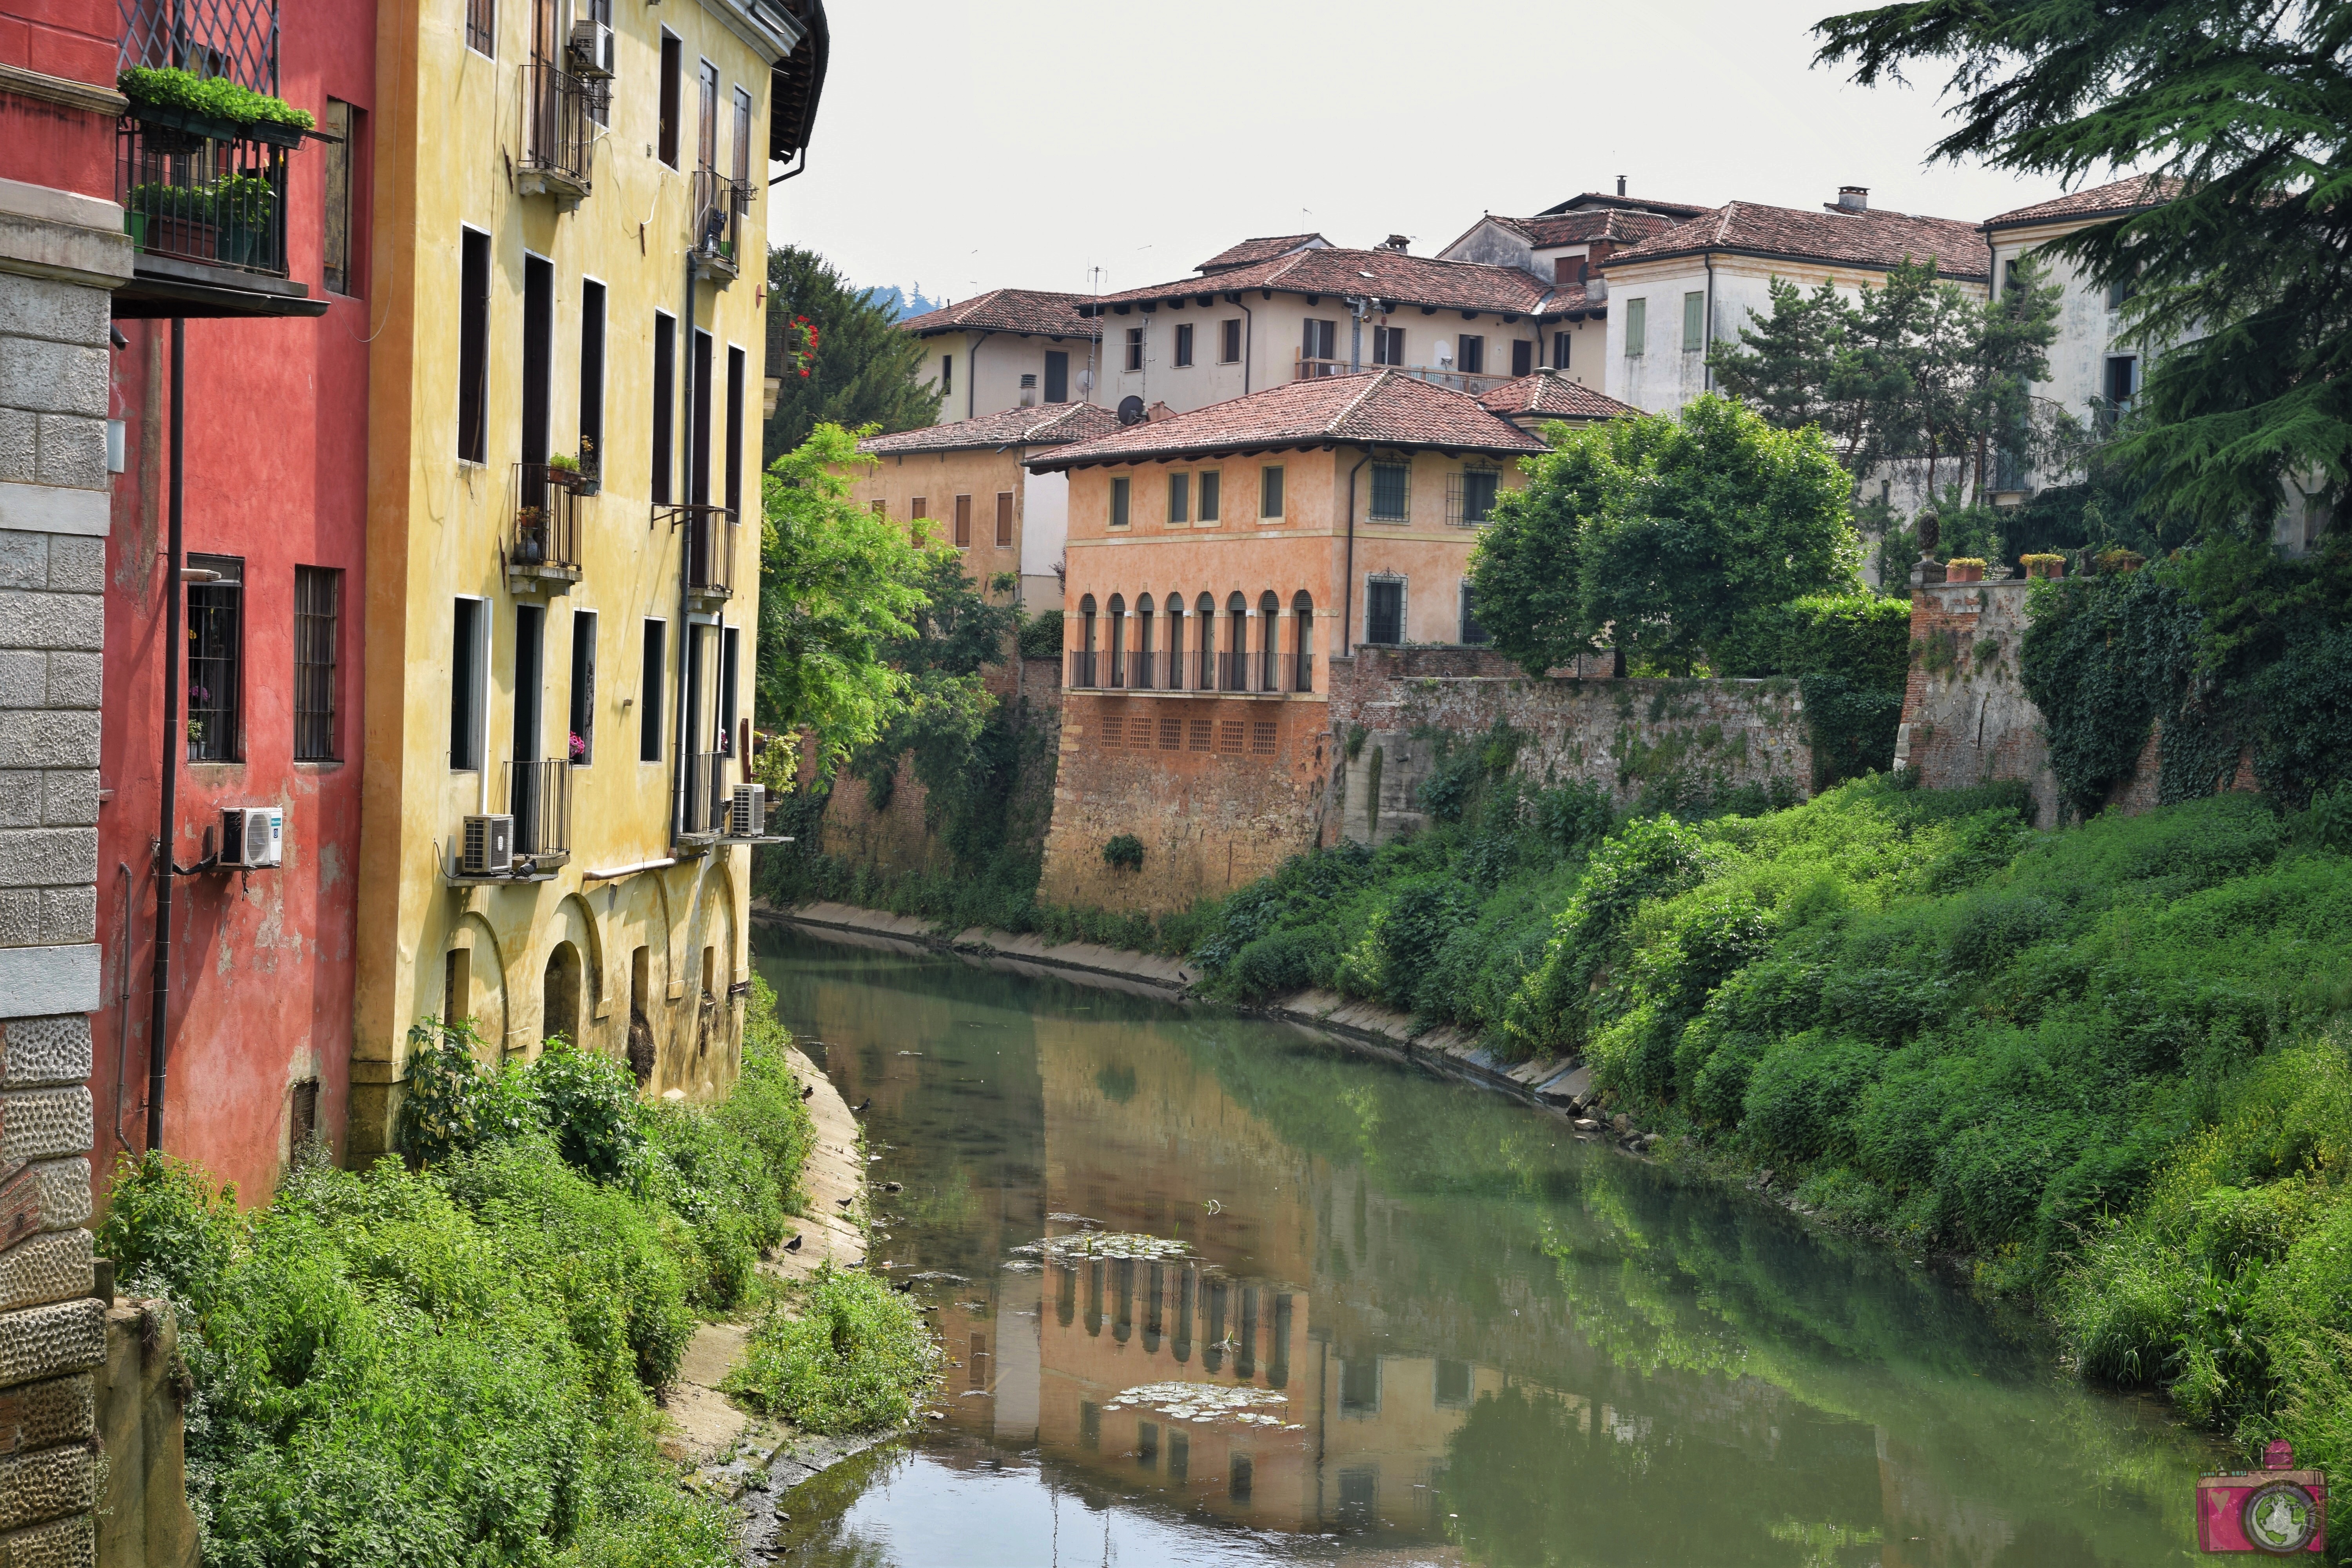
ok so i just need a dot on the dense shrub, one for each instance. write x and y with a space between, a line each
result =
845 1353
452 1365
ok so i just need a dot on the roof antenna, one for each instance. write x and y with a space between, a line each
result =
1620 184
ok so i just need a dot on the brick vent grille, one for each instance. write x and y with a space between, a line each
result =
1201 731
1229 735
1262 739
1171 734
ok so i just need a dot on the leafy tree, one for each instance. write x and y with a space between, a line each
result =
955 636
1677 532
2247 108
840 588
865 370
1916 370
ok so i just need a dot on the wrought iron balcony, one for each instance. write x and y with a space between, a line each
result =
543 554
200 190
1082 672
709 549
719 208
539 793
559 112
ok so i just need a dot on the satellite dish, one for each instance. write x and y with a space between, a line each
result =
1130 410
1086 382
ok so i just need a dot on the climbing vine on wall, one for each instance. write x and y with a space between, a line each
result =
2228 648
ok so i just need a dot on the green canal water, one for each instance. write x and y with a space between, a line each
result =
1461 1335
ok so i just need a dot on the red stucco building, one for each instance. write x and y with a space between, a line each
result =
274 470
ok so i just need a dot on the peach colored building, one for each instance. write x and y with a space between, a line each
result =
964 483
1009 348
1218 560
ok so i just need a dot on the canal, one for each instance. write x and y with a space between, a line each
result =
1415 1323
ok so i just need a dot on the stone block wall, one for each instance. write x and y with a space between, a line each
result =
1966 718
60 255
1635 739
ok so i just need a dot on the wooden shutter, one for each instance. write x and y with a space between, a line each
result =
1003 519
963 522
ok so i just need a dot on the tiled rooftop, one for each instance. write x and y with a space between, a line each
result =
1045 424
1586 228
1400 278
1035 312
1265 249
1590 200
2102 201
1548 395
1868 238
1381 408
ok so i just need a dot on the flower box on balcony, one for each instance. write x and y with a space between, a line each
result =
1964 569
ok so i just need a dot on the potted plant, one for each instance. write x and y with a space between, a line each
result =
592 467
177 220
564 468
2045 566
189 108
1964 569
530 539
243 204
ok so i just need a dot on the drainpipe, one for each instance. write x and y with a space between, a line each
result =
174 738
1249 340
1348 579
681 773
971 375
1706 371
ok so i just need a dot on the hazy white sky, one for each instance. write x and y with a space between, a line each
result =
962 146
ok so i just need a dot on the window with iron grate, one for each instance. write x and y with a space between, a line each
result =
215 658
318 619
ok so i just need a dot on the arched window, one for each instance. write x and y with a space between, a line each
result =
1269 612
1175 681
1302 641
1141 675
1082 662
1116 645
1236 660
1204 613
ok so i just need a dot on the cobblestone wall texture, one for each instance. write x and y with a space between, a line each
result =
1663 741
62 1544
42 1414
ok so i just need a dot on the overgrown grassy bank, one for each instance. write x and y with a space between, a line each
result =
2110 1063
453 1360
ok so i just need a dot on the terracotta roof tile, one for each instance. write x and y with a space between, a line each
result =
2102 201
1046 424
1587 228
1381 408
1870 238
1403 280
1265 249
1591 200
1548 395
1032 310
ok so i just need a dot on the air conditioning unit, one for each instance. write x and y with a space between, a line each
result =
592 49
747 812
489 848
252 835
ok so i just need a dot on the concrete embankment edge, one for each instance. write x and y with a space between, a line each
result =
1549 1085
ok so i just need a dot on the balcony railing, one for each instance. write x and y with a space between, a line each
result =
539 793
1472 382
706 793
1141 666
544 550
558 132
1082 672
202 190
719 208
709 548
1302 672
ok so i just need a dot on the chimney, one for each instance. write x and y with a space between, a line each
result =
1854 199
1620 184
1396 242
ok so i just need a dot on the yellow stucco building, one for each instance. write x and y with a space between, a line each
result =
569 224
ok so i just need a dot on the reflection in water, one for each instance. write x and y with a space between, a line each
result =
1484 1341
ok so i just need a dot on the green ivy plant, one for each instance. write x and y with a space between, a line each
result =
1125 852
216 98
